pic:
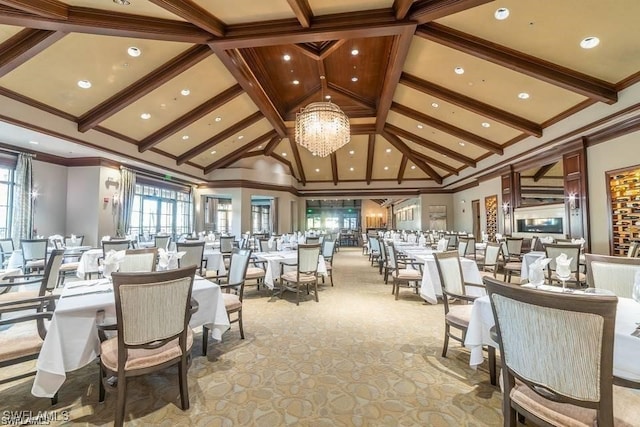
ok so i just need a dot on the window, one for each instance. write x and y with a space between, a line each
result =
260 218
223 224
160 210
6 198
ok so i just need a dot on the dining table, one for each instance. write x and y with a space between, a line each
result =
72 337
529 258
626 346
275 259
16 260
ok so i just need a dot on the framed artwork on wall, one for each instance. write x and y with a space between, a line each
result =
438 217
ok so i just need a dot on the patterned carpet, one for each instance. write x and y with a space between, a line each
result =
356 358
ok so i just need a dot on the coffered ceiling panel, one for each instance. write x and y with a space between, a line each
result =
243 11
554 32
487 82
352 159
8 31
326 7
386 162
315 168
145 8
440 157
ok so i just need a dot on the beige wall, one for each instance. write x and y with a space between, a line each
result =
416 223
371 209
427 200
50 181
463 221
82 203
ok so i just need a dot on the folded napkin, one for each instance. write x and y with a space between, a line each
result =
168 260
112 262
546 240
106 238
536 271
270 242
422 241
442 245
56 237
563 265
498 236
411 238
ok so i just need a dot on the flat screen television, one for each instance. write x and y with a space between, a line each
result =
540 225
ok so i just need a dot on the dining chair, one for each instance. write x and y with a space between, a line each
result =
233 286
263 244
139 260
634 249
69 241
226 247
193 255
6 249
553 251
161 241
34 254
328 250
313 240
114 245
365 244
400 274
305 274
557 356
491 262
374 249
454 288
615 274
512 255
152 312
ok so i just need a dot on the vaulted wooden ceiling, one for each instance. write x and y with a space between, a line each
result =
221 82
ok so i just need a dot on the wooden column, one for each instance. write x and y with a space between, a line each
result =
509 198
575 192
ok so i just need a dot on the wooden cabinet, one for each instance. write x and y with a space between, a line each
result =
624 195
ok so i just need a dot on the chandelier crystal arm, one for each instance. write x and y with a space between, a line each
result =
322 128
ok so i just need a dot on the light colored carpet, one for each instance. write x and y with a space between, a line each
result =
356 358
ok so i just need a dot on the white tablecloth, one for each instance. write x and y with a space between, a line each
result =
431 288
626 347
72 338
16 260
88 262
274 259
531 257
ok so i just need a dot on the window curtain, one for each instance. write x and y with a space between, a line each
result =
22 213
273 211
125 207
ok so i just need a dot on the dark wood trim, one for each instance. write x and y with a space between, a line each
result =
402 168
552 154
430 10
296 157
351 25
447 128
569 112
193 13
192 116
466 186
36 104
629 81
434 162
614 131
518 61
238 153
402 147
142 87
302 11
220 137
397 58
307 50
25 45
238 68
271 145
241 183
430 145
292 110
542 171
370 152
473 105
331 47
106 23
360 100
334 168
401 8
53 9
285 162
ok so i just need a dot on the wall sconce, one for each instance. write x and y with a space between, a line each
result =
573 201
111 182
505 208
34 194
115 199
462 202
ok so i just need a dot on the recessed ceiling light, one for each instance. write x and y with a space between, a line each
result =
327 97
354 79
284 154
259 146
486 125
122 2
501 13
287 57
240 136
352 152
413 166
214 152
317 170
420 126
145 116
354 52
459 70
388 150
84 84
589 42
34 142
351 169
523 95
185 137
434 105
185 92
386 168
134 51
461 144
218 119
296 82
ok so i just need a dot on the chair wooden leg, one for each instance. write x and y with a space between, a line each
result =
298 294
397 285
316 290
101 383
120 405
331 277
182 380
521 418
205 340
446 340
240 324
492 365
54 399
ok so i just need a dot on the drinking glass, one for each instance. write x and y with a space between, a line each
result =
564 273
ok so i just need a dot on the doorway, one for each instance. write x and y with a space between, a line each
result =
475 213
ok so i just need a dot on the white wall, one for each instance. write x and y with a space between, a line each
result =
463 221
369 208
416 222
82 203
107 211
427 200
50 181
619 153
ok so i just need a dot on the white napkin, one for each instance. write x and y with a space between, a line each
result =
563 265
112 262
498 236
167 260
422 241
106 238
442 245
536 271
579 241
411 238
547 240
270 242
56 237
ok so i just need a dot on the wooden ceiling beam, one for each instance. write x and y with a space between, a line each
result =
351 25
361 101
399 51
430 10
239 69
240 152
52 9
142 87
331 47
402 168
192 116
194 13
296 157
272 144
302 101
284 162
468 103
334 168
543 171
217 139
307 50
401 8
356 129
434 162
25 45
106 23
446 127
430 145
303 12
371 147
526 64
404 149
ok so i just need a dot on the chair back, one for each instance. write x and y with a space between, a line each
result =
514 246
492 255
452 241
571 251
615 274
34 249
238 267
450 271
561 346
139 260
162 241
462 246
536 244
152 309
193 253
328 249
313 240
374 244
226 244
634 250
308 258
114 245
6 249
263 243
68 241
51 270
390 254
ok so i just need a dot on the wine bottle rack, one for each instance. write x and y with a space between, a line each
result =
624 193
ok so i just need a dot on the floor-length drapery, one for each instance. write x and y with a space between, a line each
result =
125 207
22 212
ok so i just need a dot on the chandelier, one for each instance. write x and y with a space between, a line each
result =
322 128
